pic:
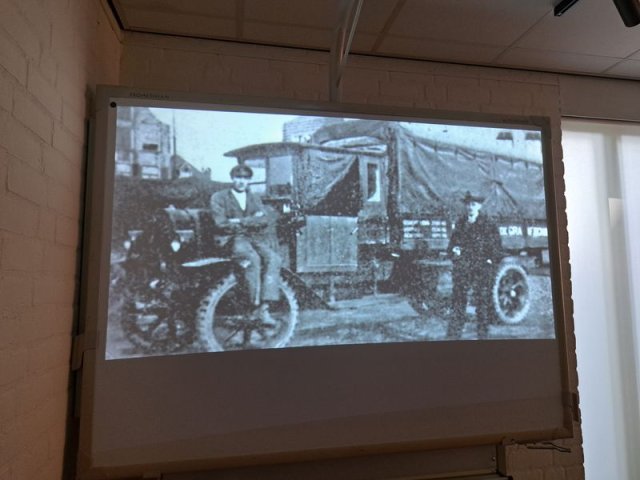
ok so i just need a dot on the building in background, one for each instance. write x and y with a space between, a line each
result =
301 129
145 148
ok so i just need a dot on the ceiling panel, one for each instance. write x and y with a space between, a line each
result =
289 35
182 24
590 38
375 14
555 61
590 27
626 68
438 50
494 22
314 13
197 8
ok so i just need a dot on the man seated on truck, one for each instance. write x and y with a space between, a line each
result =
475 248
243 226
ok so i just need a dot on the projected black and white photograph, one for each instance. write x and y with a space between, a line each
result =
239 230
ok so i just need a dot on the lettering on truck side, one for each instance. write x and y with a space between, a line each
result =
511 231
537 231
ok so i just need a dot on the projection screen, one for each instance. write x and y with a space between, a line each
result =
272 280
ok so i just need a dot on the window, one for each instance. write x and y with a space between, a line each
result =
151 147
533 136
259 179
150 172
280 175
374 186
602 169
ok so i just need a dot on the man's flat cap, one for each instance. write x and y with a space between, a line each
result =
241 171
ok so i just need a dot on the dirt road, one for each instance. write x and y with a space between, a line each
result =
389 318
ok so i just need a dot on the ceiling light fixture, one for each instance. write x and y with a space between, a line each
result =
563 6
629 11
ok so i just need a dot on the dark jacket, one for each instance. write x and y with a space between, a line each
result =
479 241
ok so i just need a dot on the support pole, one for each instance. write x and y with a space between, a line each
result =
345 31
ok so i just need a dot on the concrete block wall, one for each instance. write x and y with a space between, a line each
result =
52 53
181 64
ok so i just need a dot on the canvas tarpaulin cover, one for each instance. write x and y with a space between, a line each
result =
325 183
432 177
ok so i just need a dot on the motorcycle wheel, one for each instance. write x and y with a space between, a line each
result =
225 321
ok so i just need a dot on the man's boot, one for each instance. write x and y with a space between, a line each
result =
265 317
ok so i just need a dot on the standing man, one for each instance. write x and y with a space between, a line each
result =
243 225
475 248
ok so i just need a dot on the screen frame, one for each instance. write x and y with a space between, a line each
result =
95 277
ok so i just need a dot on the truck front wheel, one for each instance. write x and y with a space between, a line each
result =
511 293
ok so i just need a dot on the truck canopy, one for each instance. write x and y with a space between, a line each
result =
433 176
424 176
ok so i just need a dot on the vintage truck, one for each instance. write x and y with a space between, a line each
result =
362 207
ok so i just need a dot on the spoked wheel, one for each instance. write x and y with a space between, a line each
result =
226 320
511 294
149 325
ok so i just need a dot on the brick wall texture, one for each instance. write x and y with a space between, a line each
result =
52 54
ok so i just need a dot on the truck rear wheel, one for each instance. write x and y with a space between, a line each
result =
511 293
226 320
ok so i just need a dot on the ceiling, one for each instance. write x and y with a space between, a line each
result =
590 38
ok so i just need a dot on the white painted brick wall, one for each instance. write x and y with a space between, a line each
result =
52 53
19 141
26 181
